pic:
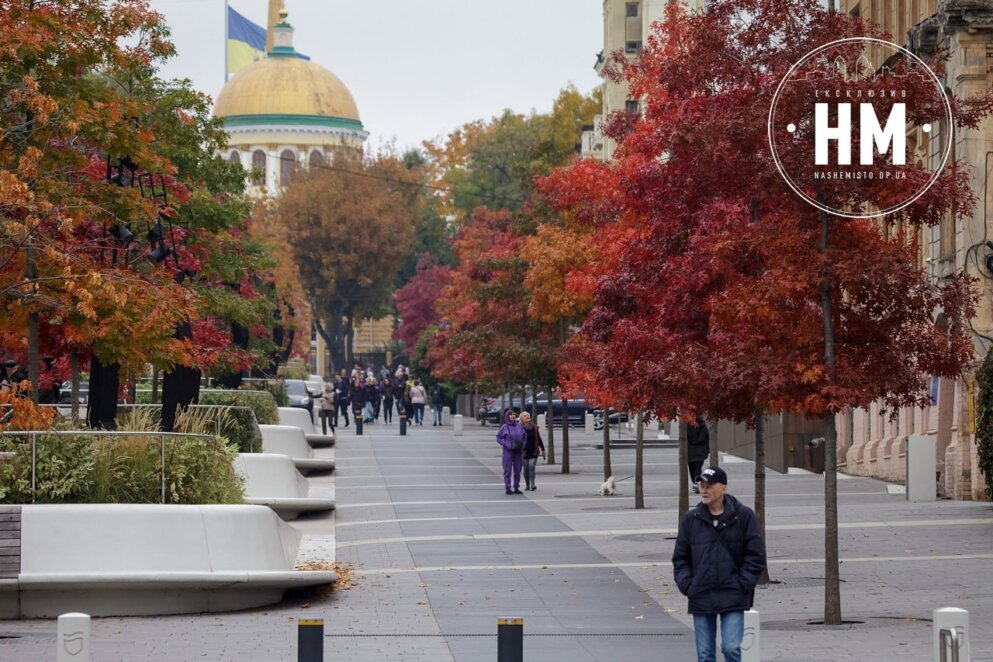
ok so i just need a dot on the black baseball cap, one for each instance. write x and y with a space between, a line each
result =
712 475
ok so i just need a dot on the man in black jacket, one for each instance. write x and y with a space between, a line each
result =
717 561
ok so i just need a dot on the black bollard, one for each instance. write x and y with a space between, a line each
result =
358 424
510 640
403 424
310 640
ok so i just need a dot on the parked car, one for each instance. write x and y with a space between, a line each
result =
577 409
614 416
490 410
299 395
65 393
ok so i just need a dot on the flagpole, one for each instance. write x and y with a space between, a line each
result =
226 37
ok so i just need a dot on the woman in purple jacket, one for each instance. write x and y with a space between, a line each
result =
511 436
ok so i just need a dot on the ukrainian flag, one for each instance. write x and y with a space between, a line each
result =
246 42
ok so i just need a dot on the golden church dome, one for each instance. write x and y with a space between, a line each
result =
283 86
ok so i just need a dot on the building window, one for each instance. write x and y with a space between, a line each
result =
632 46
632 9
632 106
287 162
258 168
316 159
234 157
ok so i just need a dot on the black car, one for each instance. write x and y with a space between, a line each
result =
490 411
577 409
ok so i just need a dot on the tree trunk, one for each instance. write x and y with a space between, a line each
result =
639 467
349 338
329 342
760 481
607 470
155 385
715 456
33 367
565 434
534 404
684 481
550 446
832 569
74 388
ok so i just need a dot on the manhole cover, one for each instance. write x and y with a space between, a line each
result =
797 582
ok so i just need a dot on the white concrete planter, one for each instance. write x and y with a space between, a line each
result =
301 419
273 481
128 560
290 441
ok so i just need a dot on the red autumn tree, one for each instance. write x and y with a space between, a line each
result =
734 294
417 300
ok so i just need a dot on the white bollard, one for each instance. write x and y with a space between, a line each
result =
542 421
74 638
652 425
446 415
750 643
457 431
951 618
589 424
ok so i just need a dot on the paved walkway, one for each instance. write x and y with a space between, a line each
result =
439 553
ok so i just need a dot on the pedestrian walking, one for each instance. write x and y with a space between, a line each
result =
329 406
697 450
533 449
418 398
343 387
387 400
511 436
399 387
437 402
718 558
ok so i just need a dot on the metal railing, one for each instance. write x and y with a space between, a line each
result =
33 435
949 638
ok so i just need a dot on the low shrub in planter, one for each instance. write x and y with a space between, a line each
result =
263 403
236 424
106 468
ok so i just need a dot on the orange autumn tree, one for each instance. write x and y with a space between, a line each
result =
63 114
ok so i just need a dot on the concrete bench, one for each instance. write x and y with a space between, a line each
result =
301 419
289 440
137 560
273 481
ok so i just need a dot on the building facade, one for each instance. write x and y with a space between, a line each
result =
871 443
626 26
283 113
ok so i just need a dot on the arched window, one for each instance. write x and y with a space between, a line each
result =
234 157
316 159
287 161
258 165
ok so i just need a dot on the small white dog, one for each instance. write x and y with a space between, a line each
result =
608 488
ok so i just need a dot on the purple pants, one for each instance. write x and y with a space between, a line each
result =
515 461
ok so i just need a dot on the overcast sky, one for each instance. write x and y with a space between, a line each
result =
417 68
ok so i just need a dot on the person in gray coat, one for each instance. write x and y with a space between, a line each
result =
697 450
